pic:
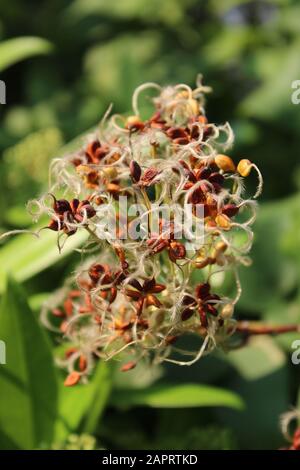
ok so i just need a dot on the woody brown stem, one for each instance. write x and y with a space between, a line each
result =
253 328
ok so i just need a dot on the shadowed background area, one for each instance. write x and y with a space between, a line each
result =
63 63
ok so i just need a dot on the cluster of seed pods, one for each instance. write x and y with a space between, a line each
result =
141 297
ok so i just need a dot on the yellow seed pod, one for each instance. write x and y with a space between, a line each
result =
134 123
183 94
204 263
223 221
227 311
110 172
131 120
221 247
225 163
83 169
244 167
218 253
194 106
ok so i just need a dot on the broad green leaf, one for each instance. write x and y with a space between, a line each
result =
127 61
6 443
14 50
36 301
28 382
259 358
81 406
272 99
273 272
26 256
228 45
131 9
176 396
284 313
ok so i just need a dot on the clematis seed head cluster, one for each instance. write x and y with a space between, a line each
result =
146 282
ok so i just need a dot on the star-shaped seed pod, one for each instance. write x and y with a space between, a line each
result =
70 213
144 294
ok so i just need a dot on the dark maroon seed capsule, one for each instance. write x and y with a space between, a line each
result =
217 187
203 317
188 300
74 204
53 225
209 308
204 174
135 171
176 132
230 210
187 314
90 211
216 178
202 290
61 206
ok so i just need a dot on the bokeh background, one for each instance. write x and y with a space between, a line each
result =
63 63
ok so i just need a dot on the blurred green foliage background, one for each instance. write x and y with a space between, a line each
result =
88 53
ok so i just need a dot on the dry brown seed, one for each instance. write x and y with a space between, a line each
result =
135 171
53 225
134 123
82 363
202 290
187 314
57 312
128 366
70 351
230 210
72 379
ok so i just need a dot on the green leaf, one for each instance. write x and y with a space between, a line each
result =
176 396
14 50
258 359
131 9
26 256
272 99
273 273
27 381
81 406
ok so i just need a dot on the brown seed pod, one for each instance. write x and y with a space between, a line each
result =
230 210
202 290
128 366
72 379
82 363
187 314
135 171
134 124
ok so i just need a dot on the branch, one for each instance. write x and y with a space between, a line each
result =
254 328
